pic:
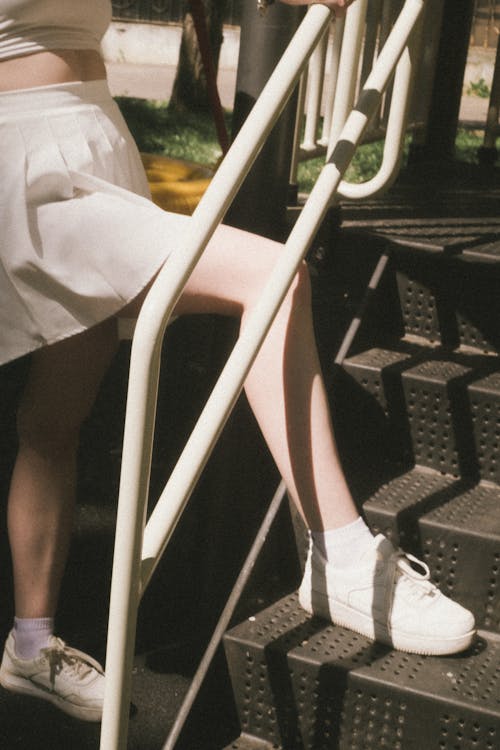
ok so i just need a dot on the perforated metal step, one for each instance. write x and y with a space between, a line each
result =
451 525
436 400
425 407
476 237
452 211
439 262
370 410
485 414
299 683
440 301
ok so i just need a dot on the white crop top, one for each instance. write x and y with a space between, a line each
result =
28 26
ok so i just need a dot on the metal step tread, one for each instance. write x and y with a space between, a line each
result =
440 499
431 364
433 408
314 685
475 239
454 212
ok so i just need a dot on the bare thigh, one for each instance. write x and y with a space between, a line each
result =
228 277
64 378
62 384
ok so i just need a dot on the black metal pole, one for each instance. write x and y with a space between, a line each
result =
447 91
262 200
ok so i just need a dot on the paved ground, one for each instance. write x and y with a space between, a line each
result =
473 109
156 81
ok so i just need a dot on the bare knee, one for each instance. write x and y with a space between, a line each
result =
298 298
299 292
301 288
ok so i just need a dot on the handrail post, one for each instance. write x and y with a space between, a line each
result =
130 546
488 152
348 69
396 125
125 591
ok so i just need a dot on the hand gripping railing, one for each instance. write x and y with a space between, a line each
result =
138 548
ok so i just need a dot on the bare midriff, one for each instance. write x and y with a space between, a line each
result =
51 67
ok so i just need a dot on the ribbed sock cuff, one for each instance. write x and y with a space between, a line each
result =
31 635
346 545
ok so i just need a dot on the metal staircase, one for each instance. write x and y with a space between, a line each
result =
417 409
416 400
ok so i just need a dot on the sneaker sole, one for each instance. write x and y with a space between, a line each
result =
352 619
22 686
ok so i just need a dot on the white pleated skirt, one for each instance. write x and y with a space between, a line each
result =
79 235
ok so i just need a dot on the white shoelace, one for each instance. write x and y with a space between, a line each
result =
419 582
62 657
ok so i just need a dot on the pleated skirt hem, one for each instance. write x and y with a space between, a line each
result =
80 236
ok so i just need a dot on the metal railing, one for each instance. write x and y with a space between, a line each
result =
138 547
334 76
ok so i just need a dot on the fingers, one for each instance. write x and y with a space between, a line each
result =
339 7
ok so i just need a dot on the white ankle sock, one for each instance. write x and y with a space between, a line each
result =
30 635
344 546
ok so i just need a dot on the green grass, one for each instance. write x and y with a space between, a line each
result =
467 144
193 138
368 158
479 88
180 136
364 165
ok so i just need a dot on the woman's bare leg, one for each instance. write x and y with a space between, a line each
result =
285 387
60 391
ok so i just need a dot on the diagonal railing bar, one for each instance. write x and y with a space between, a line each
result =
225 617
133 542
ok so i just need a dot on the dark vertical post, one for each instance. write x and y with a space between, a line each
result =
488 153
448 81
261 202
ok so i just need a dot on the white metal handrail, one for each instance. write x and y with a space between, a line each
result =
347 76
333 73
138 548
395 133
144 372
351 43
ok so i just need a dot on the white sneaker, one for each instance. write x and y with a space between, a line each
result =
385 599
71 680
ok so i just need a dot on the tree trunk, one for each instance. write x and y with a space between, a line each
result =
190 91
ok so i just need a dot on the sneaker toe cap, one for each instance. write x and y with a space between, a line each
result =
445 619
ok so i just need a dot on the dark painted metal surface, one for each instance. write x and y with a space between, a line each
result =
261 203
417 412
447 91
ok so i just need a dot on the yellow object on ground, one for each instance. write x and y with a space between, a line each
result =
175 185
